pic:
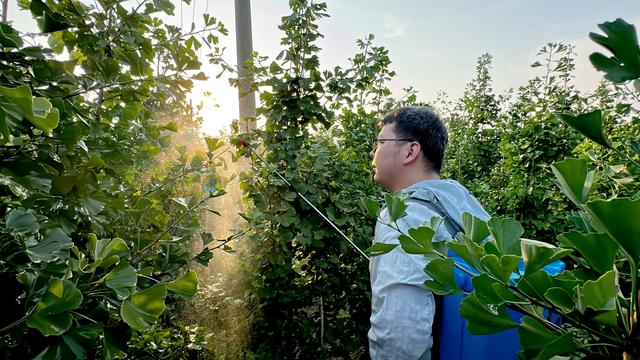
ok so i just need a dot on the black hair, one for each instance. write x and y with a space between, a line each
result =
424 126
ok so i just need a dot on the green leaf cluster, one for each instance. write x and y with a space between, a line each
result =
318 130
94 251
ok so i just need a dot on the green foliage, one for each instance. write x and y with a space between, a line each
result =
484 319
538 254
574 179
502 147
442 281
622 40
616 218
474 130
597 296
180 343
589 125
52 314
395 206
380 249
419 241
92 248
37 110
311 288
506 233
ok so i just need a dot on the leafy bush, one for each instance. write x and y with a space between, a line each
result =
310 289
93 246
181 342
502 147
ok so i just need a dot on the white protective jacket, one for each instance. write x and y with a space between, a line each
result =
402 309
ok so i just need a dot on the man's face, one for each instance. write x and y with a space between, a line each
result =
387 158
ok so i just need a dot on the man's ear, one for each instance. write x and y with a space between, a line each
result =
414 153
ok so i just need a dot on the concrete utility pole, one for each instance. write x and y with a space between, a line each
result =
5 8
244 48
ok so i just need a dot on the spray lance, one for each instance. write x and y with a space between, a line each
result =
323 216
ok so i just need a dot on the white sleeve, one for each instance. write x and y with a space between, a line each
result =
402 309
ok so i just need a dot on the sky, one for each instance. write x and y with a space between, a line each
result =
433 45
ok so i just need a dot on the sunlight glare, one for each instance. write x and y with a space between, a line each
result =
219 105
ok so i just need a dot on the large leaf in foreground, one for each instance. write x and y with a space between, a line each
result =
144 307
379 248
537 254
484 290
122 279
588 124
105 248
441 273
574 179
599 295
475 228
622 40
373 208
396 206
619 218
37 110
484 320
9 37
502 267
598 249
541 343
506 233
54 245
418 241
21 221
186 287
51 316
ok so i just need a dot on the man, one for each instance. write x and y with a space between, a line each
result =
407 158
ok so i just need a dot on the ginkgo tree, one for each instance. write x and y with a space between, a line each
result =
94 245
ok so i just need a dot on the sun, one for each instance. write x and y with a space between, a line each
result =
218 105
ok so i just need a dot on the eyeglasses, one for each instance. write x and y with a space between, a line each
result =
375 143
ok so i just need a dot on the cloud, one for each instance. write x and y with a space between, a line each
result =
393 28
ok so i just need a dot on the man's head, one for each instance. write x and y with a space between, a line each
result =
410 147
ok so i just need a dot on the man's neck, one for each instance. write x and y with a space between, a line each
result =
414 178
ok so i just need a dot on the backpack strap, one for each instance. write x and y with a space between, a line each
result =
431 201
